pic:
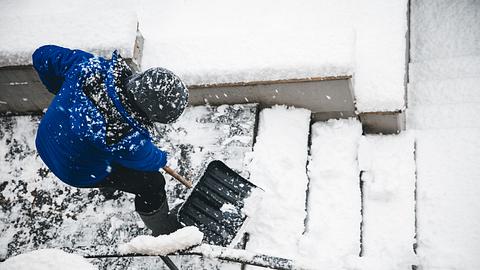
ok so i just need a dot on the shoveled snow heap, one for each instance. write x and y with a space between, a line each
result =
163 244
47 259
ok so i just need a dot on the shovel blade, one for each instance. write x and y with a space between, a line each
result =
215 204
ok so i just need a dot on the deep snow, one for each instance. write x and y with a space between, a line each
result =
444 100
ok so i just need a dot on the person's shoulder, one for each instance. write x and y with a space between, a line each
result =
89 70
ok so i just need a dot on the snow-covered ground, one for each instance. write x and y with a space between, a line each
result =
181 239
38 211
444 103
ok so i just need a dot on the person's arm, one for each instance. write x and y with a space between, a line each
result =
142 157
52 63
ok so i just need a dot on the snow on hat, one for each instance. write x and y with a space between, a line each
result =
159 93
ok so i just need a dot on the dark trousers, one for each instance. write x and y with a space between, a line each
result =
148 187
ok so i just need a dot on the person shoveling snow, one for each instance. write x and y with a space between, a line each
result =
96 132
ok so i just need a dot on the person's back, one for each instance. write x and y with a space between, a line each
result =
95 132
84 126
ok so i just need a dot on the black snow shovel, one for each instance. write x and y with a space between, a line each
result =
216 203
215 206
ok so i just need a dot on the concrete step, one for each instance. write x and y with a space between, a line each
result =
388 203
278 166
361 205
448 68
334 198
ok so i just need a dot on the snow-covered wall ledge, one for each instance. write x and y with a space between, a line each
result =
100 29
380 58
216 42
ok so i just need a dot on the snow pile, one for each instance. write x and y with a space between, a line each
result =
46 259
334 200
95 26
279 168
388 176
163 244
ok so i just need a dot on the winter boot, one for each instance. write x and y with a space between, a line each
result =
160 221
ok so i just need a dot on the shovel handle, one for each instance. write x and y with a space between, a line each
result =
177 176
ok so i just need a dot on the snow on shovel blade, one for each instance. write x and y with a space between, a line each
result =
215 204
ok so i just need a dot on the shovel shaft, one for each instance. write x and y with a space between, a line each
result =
177 176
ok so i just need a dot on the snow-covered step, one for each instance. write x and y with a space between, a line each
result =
388 186
450 91
448 207
334 199
227 58
279 167
441 29
447 68
443 116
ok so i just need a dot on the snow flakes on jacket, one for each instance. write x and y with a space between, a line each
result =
90 126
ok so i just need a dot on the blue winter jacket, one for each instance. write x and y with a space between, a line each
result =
72 135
